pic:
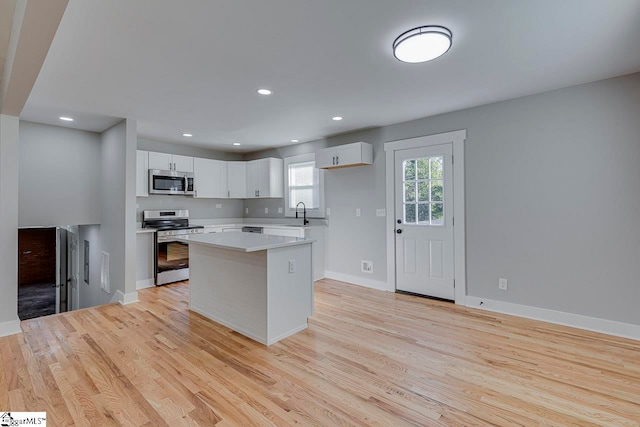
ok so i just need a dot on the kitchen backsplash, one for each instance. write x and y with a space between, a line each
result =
198 208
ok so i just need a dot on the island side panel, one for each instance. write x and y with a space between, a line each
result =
230 288
290 294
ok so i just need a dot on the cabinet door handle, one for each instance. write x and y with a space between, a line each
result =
334 160
337 160
228 193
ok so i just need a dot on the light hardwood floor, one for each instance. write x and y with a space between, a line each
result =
368 358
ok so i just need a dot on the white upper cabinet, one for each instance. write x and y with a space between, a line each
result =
210 178
162 161
183 163
237 180
170 162
342 156
265 178
142 173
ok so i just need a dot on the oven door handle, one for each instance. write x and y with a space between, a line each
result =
186 184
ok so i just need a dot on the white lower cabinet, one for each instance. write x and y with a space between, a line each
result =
145 251
315 233
293 232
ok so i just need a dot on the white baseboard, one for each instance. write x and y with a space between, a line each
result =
287 334
127 298
611 327
9 328
230 325
145 283
360 281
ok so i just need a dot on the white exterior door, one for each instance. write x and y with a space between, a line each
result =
424 221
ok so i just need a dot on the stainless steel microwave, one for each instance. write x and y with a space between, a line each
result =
170 182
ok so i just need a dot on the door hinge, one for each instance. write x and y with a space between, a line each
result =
452 159
453 221
454 283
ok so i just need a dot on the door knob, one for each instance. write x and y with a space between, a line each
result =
399 231
399 221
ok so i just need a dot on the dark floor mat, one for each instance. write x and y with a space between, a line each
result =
36 300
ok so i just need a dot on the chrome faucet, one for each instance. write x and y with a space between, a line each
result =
304 212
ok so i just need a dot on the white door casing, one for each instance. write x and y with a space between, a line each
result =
456 140
423 212
61 269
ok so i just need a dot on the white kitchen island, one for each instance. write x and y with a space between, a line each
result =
258 285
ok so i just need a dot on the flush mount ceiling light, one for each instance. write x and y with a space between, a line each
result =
264 92
66 119
422 44
188 135
236 144
336 118
294 140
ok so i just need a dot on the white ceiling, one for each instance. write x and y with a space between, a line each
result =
7 8
194 66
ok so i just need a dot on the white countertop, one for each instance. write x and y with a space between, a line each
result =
290 223
145 230
243 242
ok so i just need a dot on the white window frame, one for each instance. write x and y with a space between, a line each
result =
311 213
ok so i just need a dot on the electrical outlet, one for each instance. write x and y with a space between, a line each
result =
279 210
381 212
292 266
328 211
358 212
266 210
366 266
502 284
246 210
218 205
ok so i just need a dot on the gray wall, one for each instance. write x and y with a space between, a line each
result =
551 195
117 231
198 208
89 292
9 130
59 174
185 150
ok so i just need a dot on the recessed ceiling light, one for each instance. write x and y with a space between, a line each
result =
188 135
66 119
294 140
236 143
422 44
336 118
264 92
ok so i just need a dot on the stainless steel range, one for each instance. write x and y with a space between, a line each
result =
172 255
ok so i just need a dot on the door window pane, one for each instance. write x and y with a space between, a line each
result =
409 170
423 168
436 190
424 191
410 213
436 167
423 213
410 192
437 214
